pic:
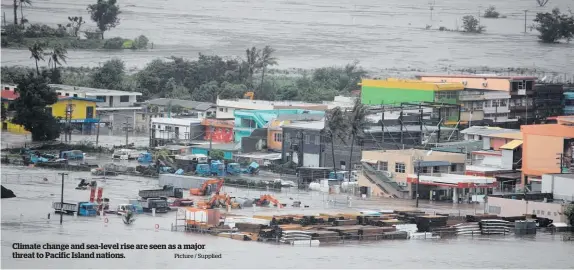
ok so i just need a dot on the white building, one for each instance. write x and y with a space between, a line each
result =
112 99
174 129
486 105
227 107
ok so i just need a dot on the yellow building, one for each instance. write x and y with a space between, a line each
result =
82 110
275 134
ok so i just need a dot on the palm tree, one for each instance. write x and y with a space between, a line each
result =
22 3
335 127
252 62
15 12
266 59
357 123
37 51
59 53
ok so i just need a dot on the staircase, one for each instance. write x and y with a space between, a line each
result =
387 185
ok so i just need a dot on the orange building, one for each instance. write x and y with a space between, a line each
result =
547 149
275 134
220 131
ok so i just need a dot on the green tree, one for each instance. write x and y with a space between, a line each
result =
357 124
252 63
22 3
57 55
75 24
335 128
15 12
491 12
554 26
37 53
217 154
471 25
110 75
266 60
30 107
105 14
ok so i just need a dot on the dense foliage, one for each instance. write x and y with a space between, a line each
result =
206 77
471 25
30 107
554 26
105 14
569 212
491 12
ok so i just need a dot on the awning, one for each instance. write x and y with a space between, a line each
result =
512 145
432 163
372 161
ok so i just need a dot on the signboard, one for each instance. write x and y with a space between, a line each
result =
522 92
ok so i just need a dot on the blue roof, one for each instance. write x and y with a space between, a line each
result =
80 98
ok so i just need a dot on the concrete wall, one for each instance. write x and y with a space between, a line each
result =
509 207
541 146
474 83
561 186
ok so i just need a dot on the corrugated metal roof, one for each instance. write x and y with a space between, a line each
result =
485 131
188 104
514 135
512 145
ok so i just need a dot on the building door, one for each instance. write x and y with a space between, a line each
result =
177 133
111 101
89 112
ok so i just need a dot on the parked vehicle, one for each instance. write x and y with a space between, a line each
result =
234 169
181 203
217 168
145 158
125 154
253 169
166 191
160 205
72 155
82 208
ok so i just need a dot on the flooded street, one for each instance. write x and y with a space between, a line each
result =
24 220
386 36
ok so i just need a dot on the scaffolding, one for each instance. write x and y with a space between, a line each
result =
416 118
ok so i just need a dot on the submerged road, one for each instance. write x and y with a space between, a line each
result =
24 220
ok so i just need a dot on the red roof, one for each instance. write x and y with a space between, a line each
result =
9 95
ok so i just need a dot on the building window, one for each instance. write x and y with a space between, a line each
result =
435 169
487 104
307 139
221 109
287 137
383 166
67 94
226 110
59 93
343 164
317 140
153 126
167 128
503 102
278 137
453 167
102 98
75 95
399 167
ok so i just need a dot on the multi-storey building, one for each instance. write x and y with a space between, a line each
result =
569 100
504 100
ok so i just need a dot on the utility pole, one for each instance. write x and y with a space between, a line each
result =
210 140
97 128
127 127
417 184
525 15
62 199
69 113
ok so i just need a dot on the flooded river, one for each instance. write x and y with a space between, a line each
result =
315 33
24 220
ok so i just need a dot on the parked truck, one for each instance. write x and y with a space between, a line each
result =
160 205
214 168
233 168
166 191
82 208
